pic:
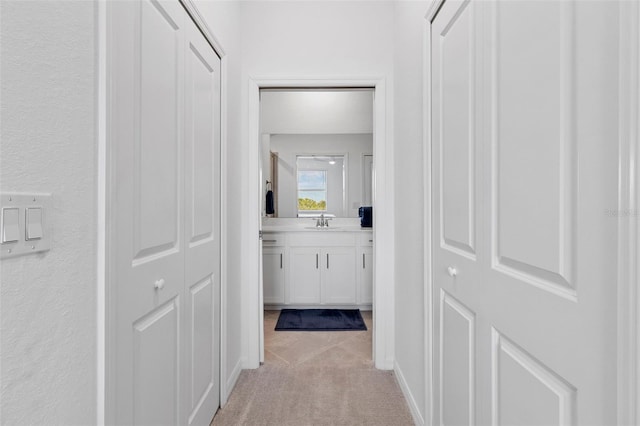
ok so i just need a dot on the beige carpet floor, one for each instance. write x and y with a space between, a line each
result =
316 378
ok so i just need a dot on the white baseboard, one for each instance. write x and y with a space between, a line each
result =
233 379
413 407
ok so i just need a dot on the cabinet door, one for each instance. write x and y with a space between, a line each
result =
273 275
339 275
304 278
365 268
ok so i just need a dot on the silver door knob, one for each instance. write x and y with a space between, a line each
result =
159 284
452 271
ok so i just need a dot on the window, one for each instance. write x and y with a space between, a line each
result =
312 191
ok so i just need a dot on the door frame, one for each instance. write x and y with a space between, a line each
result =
384 276
429 390
628 215
105 250
628 270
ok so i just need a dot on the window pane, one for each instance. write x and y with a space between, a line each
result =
312 179
312 200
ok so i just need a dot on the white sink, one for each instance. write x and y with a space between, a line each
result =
326 228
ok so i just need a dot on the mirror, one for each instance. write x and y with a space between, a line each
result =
317 151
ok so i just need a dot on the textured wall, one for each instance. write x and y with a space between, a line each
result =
410 309
48 144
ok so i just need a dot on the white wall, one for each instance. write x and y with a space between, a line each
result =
223 17
316 111
289 146
410 309
48 144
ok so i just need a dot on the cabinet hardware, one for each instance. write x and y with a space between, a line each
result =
327 260
452 271
370 241
316 260
159 284
269 241
363 267
280 260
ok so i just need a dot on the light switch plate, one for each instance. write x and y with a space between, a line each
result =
32 233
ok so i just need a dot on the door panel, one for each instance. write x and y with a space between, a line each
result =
539 299
540 253
273 274
457 362
457 155
366 277
148 206
157 184
304 279
165 244
156 342
456 205
339 275
201 96
525 391
202 224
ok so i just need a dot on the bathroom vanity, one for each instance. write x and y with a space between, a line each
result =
317 267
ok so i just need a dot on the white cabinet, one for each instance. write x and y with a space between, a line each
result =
273 274
365 281
322 275
304 276
338 275
317 268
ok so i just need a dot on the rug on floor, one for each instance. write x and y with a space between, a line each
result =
320 320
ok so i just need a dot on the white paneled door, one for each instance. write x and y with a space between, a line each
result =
524 167
165 177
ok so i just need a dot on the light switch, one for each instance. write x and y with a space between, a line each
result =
24 228
33 223
10 224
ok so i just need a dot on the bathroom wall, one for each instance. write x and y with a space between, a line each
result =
48 308
315 112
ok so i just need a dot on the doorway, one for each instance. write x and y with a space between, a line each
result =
382 298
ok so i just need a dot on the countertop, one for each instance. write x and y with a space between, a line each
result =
294 228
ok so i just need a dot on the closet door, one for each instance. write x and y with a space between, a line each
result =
456 211
202 227
148 200
526 326
165 180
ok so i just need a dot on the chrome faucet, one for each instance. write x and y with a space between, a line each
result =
322 222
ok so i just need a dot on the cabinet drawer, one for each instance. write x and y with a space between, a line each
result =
321 238
269 239
365 239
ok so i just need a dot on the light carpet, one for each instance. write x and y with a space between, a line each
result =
316 378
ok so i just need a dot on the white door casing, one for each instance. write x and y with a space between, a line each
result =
524 102
163 363
382 187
